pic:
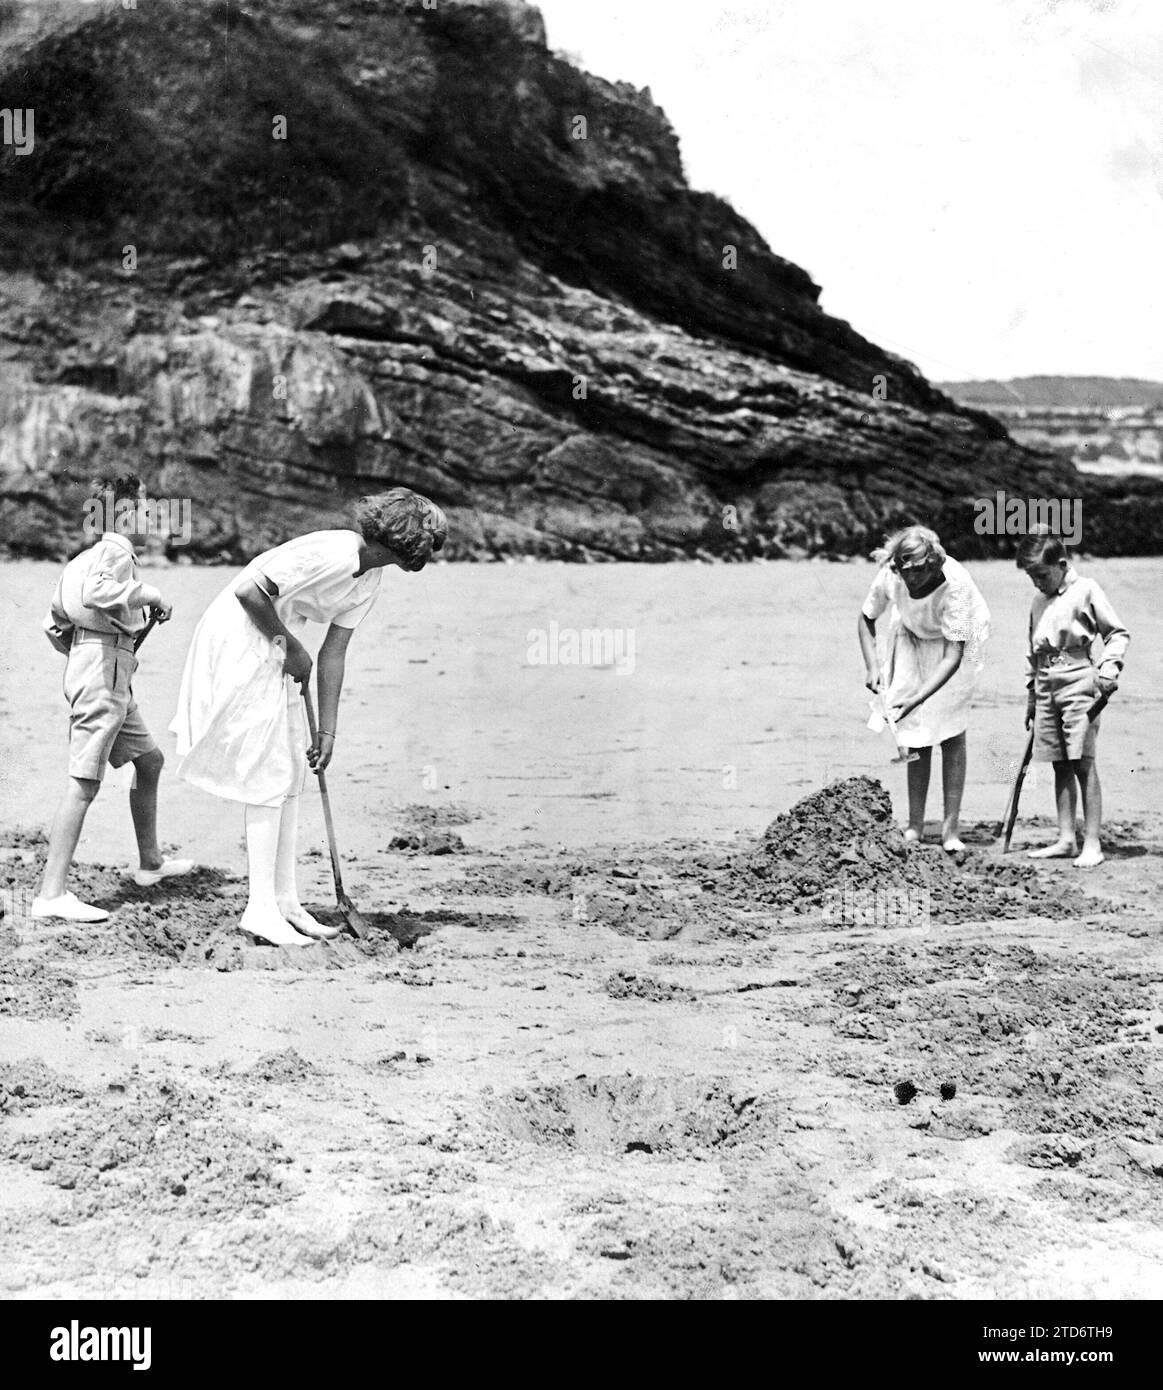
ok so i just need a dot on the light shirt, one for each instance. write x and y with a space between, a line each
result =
316 579
100 589
1076 616
954 611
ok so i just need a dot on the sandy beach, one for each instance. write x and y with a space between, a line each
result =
588 1050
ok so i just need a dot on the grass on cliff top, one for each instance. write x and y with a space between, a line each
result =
155 127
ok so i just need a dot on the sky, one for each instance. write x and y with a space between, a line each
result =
976 185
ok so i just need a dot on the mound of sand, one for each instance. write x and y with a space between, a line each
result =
841 837
838 851
152 1145
283 1068
29 1083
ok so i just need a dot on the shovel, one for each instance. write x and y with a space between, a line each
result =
1011 812
347 909
903 755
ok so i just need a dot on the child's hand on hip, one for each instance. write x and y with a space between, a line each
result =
872 681
1107 686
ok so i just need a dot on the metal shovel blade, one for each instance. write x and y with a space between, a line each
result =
352 918
903 755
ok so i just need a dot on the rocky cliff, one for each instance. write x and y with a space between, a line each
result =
274 255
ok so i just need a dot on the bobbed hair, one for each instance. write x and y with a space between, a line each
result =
409 525
913 543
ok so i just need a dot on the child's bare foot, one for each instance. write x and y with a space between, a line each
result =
302 921
1090 858
912 836
271 926
1060 849
953 844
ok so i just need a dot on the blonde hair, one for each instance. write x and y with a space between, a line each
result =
915 542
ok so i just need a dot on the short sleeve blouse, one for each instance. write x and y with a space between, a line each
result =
955 610
316 578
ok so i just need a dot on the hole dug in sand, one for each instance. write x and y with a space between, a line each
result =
630 1114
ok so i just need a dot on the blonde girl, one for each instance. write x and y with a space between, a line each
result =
925 658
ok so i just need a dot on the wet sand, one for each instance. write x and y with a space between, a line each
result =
747 692
583 1054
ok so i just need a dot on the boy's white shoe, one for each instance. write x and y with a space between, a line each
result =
171 868
69 907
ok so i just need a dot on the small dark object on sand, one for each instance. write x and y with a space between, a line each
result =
948 1090
904 1092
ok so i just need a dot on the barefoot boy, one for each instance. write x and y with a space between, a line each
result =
99 605
1068 614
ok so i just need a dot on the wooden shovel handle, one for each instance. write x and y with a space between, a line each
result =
1011 815
146 630
327 821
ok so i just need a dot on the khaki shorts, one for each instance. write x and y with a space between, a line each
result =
105 725
1066 688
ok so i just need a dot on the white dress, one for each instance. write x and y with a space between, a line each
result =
239 723
910 645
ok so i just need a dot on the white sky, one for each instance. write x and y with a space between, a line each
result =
975 184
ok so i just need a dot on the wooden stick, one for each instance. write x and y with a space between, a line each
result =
146 630
1011 812
347 908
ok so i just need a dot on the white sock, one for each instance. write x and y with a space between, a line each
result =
262 841
286 888
262 917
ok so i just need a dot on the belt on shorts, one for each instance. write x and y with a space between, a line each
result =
124 640
1062 656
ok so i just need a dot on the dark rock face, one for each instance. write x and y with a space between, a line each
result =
432 282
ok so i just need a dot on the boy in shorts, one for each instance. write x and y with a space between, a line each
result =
1069 613
99 606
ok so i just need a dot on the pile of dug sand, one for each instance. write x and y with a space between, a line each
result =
29 1083
153 1145
841 845
842 837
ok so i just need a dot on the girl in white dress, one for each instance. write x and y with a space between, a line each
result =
239 723
929 655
